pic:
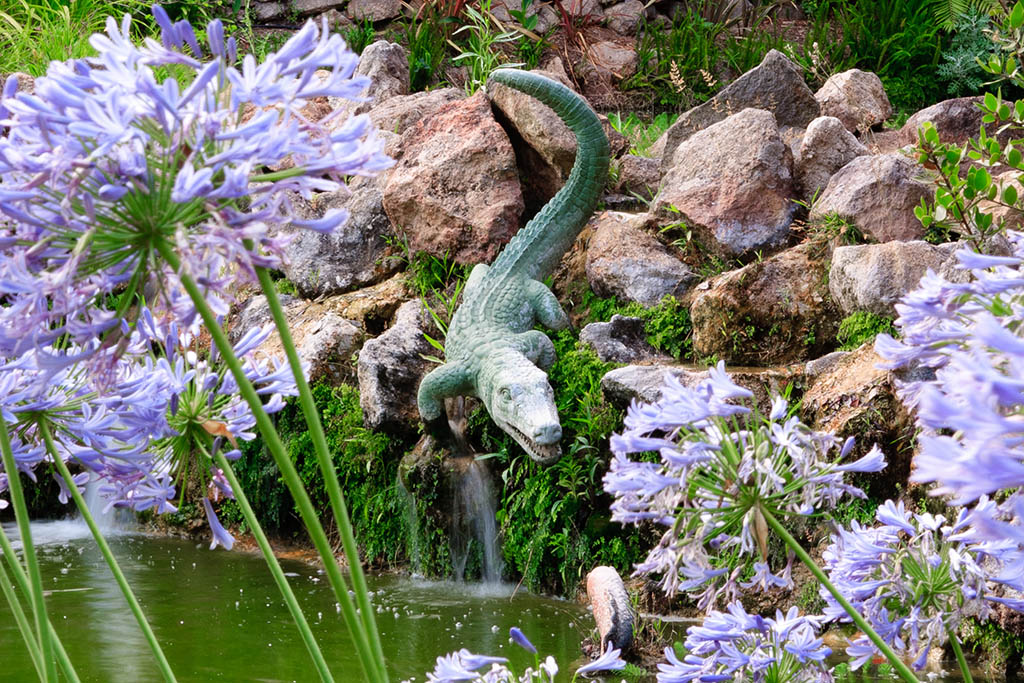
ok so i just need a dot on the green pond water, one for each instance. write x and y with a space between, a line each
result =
219 616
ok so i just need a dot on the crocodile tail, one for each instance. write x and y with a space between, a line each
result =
536 249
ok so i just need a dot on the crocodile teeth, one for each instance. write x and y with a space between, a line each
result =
543 453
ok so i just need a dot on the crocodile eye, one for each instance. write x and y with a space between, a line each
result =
505 394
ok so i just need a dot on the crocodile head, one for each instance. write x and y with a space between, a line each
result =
520 401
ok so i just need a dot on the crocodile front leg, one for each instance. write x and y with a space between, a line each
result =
448 381
545 305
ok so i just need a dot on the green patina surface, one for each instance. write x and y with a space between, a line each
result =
492 351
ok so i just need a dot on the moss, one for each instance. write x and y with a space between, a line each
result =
861 327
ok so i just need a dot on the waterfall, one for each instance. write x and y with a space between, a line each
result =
474 523
106 521
412 528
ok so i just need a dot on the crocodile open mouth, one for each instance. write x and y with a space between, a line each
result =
542 453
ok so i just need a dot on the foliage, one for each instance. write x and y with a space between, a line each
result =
949 13
359 35
860 327
960 66
667 326
426 37
641 134
480 54
834 229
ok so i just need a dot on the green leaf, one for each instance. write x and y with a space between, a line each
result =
991 103
1013 158
1017 16
1004 111
1010 194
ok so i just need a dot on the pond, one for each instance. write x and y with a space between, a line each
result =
219 615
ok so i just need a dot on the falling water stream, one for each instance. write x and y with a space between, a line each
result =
474 524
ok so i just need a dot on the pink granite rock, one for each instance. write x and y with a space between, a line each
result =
608 599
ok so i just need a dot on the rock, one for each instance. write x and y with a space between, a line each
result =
583 8
644 382
336 21
307 8
825 148
732 184
855 97
609 603
374 10
454 189
387 66
639 175
397 114
390 368
265 11
956 120
878 194
857 398
325 342
620 340
874 277
352 257
769 312
26 83
624 17
626 262
776 85
613 59
545 146
818 366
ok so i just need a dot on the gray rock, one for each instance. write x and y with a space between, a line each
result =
956 120
626 262
325 343
818 366
390 368
776 85
825 148
732 184
387 66
374 10
583 8
265 11
855 97
639 175
613 60
878 194
874 277
455 188
352 257
620 340
624 17
307 8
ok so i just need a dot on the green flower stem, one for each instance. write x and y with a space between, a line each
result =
373 669
133 604
22 580
275 570
337 499
901 668
31 562
958 651
23 625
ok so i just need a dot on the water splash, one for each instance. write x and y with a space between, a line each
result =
474 522
411 522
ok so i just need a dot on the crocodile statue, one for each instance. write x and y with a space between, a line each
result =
492 350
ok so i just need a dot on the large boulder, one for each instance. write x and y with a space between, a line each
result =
769 312
609 603
374 10
387 66
612 59
825 148
732 184
874 277
628 263
307 8
390 368
776 85
639 175
624 17
397 114
956 120
878 194
454 189
354 256
855 97
854 397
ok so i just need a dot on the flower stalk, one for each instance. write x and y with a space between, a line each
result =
24 627
901 668
373 666
958 651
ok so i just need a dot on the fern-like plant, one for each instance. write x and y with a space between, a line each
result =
949 12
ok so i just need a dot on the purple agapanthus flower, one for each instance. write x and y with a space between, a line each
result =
720 465
735 645
105 169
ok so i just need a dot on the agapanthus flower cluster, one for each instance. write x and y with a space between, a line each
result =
971 445
734 646
466 666
720 467
160 416
110 167
914 577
